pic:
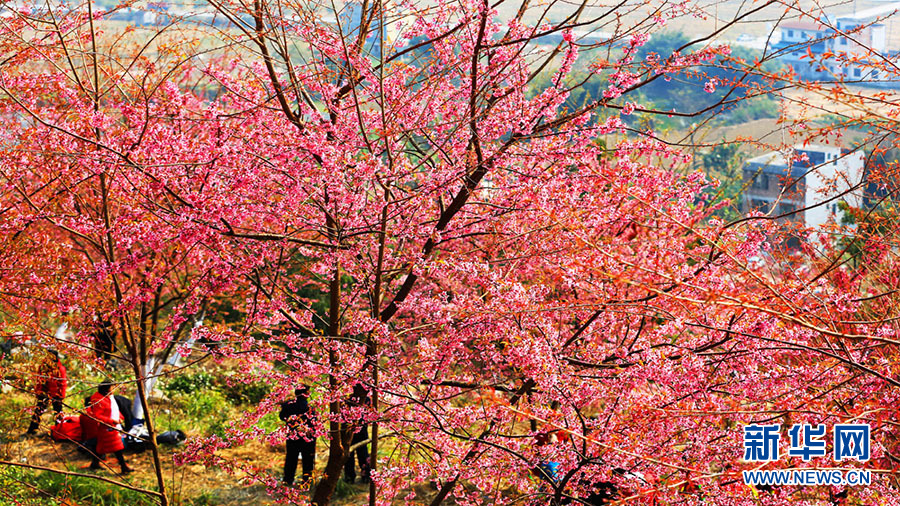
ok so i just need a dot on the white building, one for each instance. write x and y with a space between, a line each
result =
807 187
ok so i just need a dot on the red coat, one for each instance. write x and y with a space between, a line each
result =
52 380
109 439
88 427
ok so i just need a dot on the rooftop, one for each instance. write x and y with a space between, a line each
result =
808 26
873 13
770 158
774 162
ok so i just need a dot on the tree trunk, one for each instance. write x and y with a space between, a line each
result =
337 444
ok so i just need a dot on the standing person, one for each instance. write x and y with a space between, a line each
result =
299 418
104 340
50 386
88 428
104 410
360 397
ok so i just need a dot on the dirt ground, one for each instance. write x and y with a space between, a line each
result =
186 483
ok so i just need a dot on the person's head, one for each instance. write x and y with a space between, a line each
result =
53 354
104 388
302 392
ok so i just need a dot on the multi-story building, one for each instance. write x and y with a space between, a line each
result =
851 38
806 186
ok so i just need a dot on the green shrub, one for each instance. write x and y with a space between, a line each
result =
30 487
13 482
11 409
201 411
190 383
201 405
239 393
269 422
209 408
217 427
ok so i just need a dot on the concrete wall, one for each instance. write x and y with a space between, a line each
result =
830 182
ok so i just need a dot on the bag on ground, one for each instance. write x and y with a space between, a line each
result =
68 429
171 437
136 438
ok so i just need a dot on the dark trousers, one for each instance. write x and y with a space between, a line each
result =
89 446
362 457
42 400
120 456
306 450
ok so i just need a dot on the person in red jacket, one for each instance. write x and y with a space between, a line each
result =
104 411
88 428
50 386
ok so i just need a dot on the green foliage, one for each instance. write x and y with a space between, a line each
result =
218 427
318 301
23 484
189 383
204 411
11 416
203 404
269 422
721 158
723 163
685 92
593 87
238 392
14 491
343 489
205 498
204 401
90 491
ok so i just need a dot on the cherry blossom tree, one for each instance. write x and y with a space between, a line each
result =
392 199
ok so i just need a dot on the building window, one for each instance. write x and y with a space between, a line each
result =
759 205
761 182
856 73
874 74
790 33
842 41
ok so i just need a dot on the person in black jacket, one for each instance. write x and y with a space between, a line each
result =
105 340
360 397
299 417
